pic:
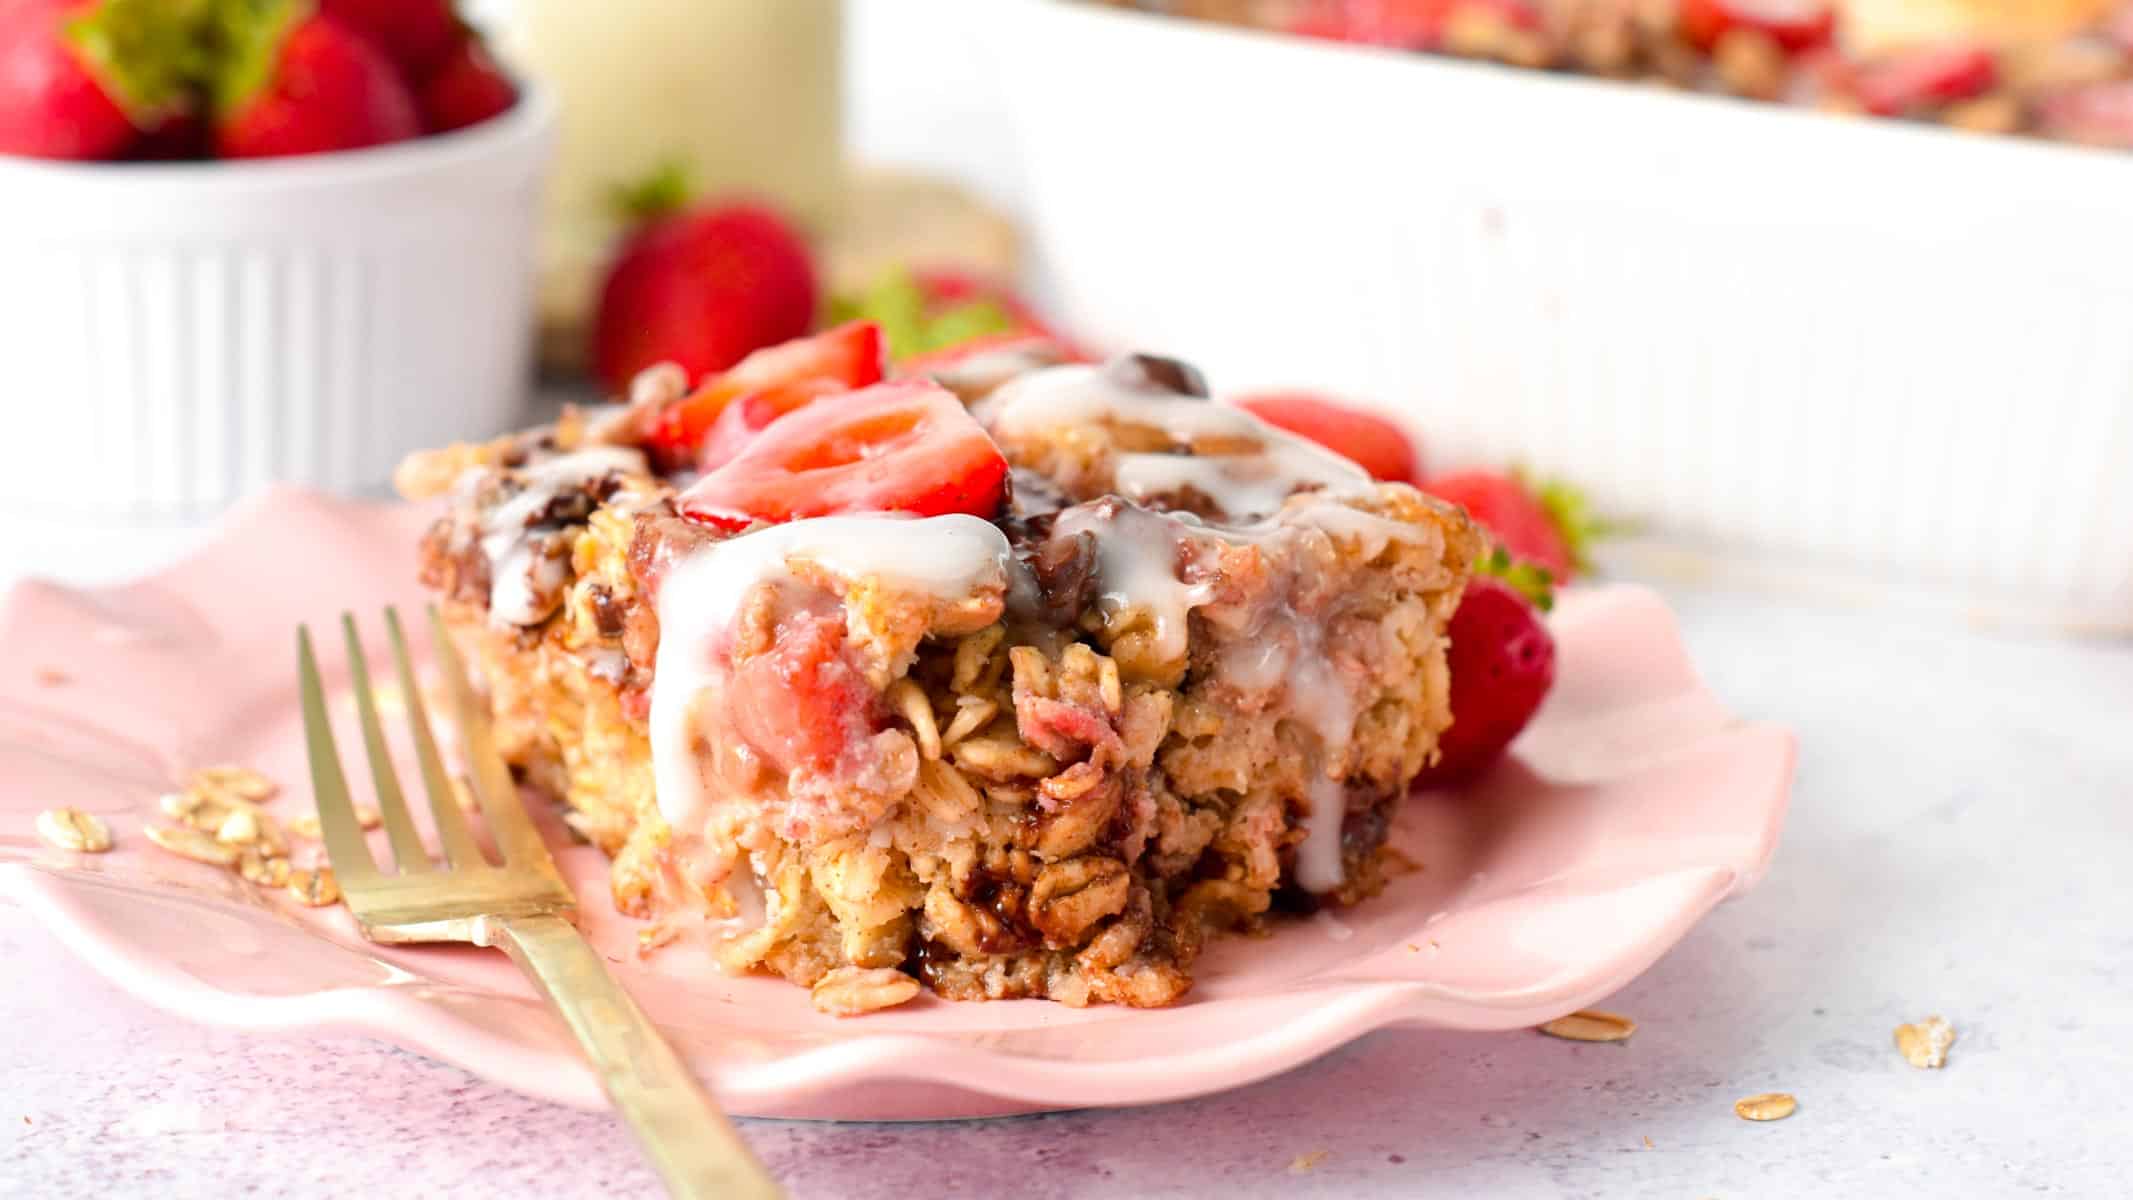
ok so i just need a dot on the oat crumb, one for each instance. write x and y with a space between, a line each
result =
1648 1142
1591 1025
51 677
1769 1106
1925 1044
1304 1162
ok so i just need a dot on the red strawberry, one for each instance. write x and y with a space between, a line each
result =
904 447
1374 443
1546 525
467 90
1927 76
802 703
1502 663
844 358
79 79
748 415
937 309
306 84
417 35
703 289
1405 24
1793 24
2100 114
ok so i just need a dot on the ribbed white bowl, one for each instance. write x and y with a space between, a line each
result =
1888 346
175 336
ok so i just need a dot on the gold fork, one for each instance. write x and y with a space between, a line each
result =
521 905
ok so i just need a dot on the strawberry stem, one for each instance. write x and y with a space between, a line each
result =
897 302
246 37
665 190
1531 580
150 56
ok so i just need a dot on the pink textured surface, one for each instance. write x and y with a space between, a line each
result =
1633 805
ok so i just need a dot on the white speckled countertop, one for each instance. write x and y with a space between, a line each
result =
1961 843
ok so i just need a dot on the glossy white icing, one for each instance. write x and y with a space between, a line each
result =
522 578
947 557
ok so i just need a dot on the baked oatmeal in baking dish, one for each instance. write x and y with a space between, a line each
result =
1022 686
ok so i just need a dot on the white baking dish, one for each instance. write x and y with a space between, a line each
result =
173 337
1882 345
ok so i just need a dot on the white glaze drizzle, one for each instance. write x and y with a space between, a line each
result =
522 581
947 557
1244 485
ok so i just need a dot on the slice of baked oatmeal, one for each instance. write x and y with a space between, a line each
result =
1171 677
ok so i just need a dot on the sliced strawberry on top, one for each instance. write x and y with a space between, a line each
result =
1374 443
1926 77
1546 526
1794 25
1502 661
847 357
750 414
907 446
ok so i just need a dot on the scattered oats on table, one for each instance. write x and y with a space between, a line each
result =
1925 1044
51 677
229 779
314 888
73 829
186 842
1591 1025
1770 1106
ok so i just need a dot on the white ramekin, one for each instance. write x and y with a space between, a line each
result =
1887 346
175 336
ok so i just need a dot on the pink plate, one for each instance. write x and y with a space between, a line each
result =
1633 805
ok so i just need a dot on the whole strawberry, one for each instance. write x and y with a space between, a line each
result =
295 81
417 35
1545 524
466 89
1502 661
702 288
81 79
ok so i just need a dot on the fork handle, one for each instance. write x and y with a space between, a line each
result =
691 1144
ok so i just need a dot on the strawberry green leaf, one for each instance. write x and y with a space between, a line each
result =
1531 580
149 55
896 302
244 44
666 189
1571 511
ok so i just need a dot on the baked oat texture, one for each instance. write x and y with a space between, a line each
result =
1066 806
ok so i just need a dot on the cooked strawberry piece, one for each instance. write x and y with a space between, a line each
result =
902 447
1516 516
308 85
1374 443
2100 114
466 89
1793 24
705 289
1405 24
801 703
847 357
1502 661
1927 77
